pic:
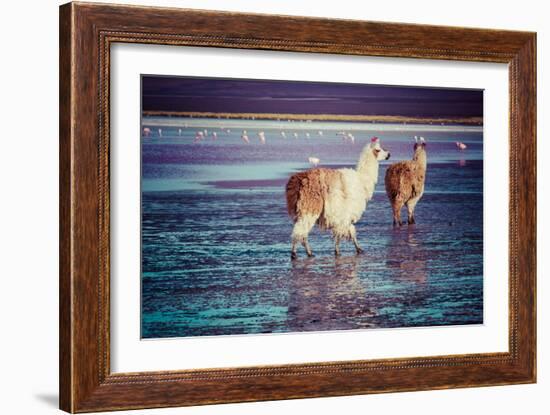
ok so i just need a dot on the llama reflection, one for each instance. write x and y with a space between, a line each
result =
407 255
328 295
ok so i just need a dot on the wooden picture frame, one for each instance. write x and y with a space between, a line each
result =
86 33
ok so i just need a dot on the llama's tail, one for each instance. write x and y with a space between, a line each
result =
292 195
390 187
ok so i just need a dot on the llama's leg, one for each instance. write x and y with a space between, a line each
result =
396 206
339 232
293 254
411 204
308 248
301 230
336 245
353 237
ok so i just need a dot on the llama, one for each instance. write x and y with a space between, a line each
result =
405 182
334 199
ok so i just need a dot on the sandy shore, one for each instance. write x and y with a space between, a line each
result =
321 117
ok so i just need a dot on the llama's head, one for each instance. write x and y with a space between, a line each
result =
370 156
420 155
377 150
419 147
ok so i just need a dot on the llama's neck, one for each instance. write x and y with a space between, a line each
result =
421 159
367 169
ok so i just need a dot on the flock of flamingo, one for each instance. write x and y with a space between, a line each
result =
201 135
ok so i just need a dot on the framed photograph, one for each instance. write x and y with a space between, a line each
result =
258 207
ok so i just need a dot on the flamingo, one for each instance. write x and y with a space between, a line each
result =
146 131
262 137
350 138
244 137
344 135
199 136
313 161
461 146
214 135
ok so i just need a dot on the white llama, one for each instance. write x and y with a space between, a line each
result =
334 199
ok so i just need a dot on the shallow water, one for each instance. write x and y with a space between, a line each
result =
215 234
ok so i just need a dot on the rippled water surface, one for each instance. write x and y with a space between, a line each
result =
215 233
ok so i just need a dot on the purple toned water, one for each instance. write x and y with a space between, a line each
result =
215 233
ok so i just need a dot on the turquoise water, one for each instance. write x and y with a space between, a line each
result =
215 233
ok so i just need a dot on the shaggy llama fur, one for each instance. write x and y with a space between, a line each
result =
333 199
405 183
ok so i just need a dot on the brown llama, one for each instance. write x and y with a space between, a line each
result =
405 182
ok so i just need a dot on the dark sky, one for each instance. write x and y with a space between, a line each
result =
258 96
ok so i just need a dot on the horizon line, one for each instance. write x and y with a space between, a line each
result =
473 120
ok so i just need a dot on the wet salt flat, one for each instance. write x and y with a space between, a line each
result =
216 235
